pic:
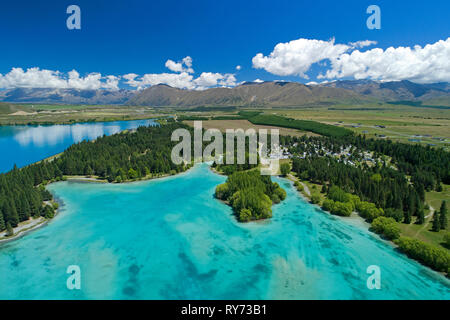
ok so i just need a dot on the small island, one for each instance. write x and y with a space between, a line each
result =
250 194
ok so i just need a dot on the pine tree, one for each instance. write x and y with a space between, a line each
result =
443 216
407 217
420 217
436 222
12 216
9 230
2 221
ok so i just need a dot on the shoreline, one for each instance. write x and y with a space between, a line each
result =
21 233
74 179
81 121
357 221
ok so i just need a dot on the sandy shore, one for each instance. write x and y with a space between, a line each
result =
32 224
23 228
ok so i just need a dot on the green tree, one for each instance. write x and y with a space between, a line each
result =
9 230
436 222
407 217
397 214
132 174
387 227
342 209
315 198
2 222
48 212
420 216
285 168
280 192
376 177
430 255
447 240
245 215
88 171
328 205
222 191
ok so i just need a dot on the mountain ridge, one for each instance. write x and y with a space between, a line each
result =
247 94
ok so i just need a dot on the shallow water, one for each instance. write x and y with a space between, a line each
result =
23 145
170 239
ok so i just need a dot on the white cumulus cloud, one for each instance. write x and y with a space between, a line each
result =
185 65
362 44
182 78
37 78
296 57
177 80
430 63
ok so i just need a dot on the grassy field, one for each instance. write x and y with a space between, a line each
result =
401 123
406 124
36 114
435 199
423 232
222 125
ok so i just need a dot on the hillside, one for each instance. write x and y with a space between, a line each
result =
265 94
247 94
395 90
8 108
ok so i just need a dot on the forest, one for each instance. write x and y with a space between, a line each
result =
304 125
125 156
250 194
384 193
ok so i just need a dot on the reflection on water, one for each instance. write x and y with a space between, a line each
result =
23 145
52 135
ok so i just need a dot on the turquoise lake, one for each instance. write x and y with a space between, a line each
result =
23 145
170 239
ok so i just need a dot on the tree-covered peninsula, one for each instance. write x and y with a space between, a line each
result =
250 194
125 156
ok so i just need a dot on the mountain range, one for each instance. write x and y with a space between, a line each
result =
268 93
394 90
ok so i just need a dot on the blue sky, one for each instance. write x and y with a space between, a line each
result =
122 37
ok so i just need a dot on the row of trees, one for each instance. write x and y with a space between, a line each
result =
304 125
120 157
381 193
383 187
432 256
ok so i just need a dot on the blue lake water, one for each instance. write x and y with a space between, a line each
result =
23 145
170 239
